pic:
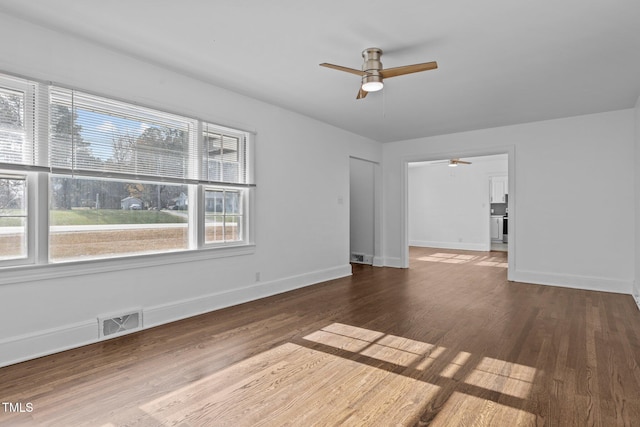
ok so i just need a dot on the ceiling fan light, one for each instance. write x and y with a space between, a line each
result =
372 82
372 86
453 163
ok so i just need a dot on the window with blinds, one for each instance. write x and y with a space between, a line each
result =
117 179
224 156
17 122
90 135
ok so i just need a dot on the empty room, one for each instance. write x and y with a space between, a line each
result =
218 213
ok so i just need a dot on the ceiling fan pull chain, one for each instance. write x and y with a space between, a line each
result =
384 105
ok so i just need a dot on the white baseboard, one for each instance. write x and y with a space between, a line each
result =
30 346
393 262
378 261
484 247
166 313
637 298
41 343
575 282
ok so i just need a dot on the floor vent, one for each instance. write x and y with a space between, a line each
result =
361 258
120 324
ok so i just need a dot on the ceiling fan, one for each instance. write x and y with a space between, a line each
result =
373 74
451 162
455 162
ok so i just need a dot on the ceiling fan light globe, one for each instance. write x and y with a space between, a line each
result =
453 164
372 86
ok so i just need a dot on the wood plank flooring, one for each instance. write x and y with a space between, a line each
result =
448 342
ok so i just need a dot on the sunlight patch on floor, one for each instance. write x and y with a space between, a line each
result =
458 362
294 385
505 377
465 410
388 348
489 374
298 385
493 263
453 258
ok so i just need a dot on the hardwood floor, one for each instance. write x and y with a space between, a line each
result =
447 342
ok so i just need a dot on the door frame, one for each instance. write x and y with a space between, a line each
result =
509 150
378 259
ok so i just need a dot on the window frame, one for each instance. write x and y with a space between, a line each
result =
37 178
243 196
29 225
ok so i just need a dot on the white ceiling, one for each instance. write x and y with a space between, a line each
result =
500 62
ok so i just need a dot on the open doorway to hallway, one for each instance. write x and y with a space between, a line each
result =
461 205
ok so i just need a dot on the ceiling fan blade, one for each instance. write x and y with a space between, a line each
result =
346 69
462 162
408 69
361 94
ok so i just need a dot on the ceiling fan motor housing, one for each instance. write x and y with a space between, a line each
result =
372 66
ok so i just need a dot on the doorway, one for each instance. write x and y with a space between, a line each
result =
451 207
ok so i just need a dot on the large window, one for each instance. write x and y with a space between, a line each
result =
117 179
98 218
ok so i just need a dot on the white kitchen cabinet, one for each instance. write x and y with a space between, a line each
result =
496 228
499 188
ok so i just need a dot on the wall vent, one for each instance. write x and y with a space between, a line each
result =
361 258
120 324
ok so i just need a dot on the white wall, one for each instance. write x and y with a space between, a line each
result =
302 231
574 200
450 207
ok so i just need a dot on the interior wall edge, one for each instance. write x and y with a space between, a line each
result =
636 284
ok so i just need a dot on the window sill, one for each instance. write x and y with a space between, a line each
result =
30 273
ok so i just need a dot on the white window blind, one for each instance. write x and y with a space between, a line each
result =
90 135
224 155
18 147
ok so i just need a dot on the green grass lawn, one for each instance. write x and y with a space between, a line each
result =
11 222
112 216
12 217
